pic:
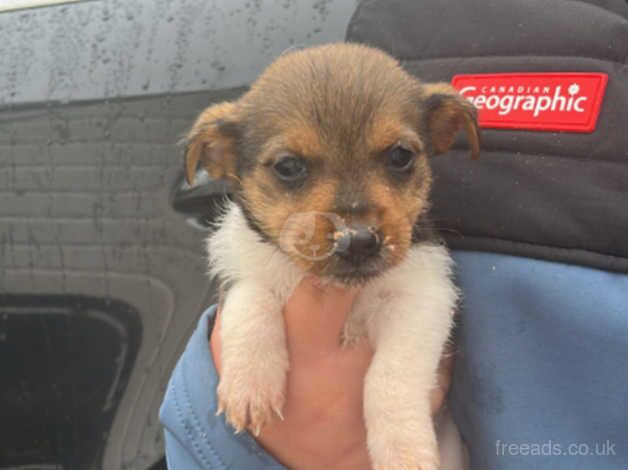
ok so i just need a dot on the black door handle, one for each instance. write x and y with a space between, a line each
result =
201 202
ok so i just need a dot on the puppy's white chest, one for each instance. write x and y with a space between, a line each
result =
406 313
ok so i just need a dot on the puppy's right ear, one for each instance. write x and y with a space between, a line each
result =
211 143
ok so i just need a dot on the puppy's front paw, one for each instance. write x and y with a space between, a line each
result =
251 396
399 449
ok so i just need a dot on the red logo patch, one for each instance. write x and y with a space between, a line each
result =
536 101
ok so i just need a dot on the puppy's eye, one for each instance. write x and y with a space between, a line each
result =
291 169
399 159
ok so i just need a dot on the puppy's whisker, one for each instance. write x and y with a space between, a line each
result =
278 412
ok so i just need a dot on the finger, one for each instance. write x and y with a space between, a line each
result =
214 341
315 315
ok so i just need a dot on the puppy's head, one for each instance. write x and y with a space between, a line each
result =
328 155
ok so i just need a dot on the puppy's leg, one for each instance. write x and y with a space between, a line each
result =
409 331
254 357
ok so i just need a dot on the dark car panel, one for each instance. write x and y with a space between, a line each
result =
72 357
102 268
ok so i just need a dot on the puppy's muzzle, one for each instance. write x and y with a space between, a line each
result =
361 242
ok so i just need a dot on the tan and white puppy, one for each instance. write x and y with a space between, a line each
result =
328 155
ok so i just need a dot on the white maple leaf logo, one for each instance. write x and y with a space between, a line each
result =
574 88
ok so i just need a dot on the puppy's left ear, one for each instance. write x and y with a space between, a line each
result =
446 112
211 143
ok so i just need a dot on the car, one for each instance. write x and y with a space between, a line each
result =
102 269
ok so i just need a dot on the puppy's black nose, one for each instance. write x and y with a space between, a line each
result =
357 243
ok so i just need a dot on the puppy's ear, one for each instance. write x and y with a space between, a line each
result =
211 143
446 113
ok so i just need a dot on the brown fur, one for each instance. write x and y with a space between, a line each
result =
209 146
339 107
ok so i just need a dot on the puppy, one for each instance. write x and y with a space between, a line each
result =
328 156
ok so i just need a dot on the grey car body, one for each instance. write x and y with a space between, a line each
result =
94 96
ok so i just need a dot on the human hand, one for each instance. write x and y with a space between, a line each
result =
324 426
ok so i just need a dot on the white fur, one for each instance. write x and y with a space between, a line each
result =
406 313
